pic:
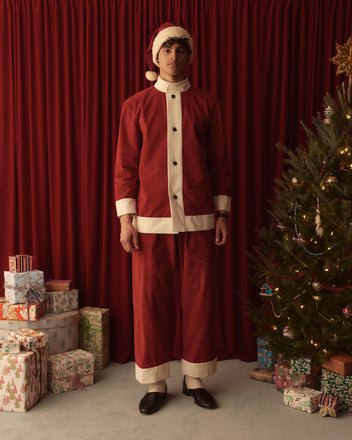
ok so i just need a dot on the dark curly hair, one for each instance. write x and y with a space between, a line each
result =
181 41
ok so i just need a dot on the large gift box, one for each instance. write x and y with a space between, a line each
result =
20 381
94 334
262 375
23 287
21 312
62 330
265 356
338 386
340 364
37 342
305 399
70 371
62 301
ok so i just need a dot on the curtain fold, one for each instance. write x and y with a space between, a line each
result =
67 66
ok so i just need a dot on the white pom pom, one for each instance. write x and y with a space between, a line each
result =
151 76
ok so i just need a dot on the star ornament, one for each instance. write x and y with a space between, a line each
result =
343 58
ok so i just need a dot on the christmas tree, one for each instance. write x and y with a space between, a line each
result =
303 264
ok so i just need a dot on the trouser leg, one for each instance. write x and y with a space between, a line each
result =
198 302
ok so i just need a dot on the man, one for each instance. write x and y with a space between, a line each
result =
171 177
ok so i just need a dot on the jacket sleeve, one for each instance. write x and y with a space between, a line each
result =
218 162
127 160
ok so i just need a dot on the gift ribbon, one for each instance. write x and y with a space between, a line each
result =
327 405
84 326
33 296
75 379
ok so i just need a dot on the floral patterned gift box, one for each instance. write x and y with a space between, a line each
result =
70 371
21 312
264 356
62 301
338 386
20 386
18 284
305 399
94 334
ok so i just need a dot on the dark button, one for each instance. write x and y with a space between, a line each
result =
175 197
174 162
173 96
174 129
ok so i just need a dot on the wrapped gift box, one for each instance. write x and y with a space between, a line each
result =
70 371
20 263
283 375
62 330
64 301
301 365
327 405
305 399
18 284
8 347
94 334
338 386
20 386
340 364
264 357
21 312
262 375
37 342
58 285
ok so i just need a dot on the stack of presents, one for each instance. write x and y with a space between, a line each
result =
46 342
311 388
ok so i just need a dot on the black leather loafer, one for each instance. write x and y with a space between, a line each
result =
151 402
201 396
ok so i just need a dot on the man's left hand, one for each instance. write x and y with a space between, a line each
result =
221 231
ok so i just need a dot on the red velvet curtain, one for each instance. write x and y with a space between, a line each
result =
66 67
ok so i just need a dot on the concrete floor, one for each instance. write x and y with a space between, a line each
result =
248 410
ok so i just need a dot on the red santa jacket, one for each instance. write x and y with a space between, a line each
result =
171 169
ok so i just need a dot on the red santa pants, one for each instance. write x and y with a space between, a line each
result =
173 282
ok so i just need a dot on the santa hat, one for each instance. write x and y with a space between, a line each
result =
159 37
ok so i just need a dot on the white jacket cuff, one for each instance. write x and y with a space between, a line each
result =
222 203
126 206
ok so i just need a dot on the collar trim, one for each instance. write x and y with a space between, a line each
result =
165 86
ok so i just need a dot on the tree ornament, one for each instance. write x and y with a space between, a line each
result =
267 289
318 229
343 58
288 333
294 181
331 179
316 286
347 311
329 111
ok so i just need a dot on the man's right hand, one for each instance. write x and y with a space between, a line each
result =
128 235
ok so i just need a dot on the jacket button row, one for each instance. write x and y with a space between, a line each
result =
173 96
175 197
174 162
174 129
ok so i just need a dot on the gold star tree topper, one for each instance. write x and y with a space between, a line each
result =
343 58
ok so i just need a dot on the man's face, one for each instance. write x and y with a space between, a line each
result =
172 62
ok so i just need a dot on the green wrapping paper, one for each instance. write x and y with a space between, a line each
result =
94 331
338 386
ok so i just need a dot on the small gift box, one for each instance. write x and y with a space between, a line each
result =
58 285
94 334
283 375
37 342
24 287
21 312
64 301
305 399
338 386
340 364
327 405
20 263
70 371
264 356
20 381
8 347
262 375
